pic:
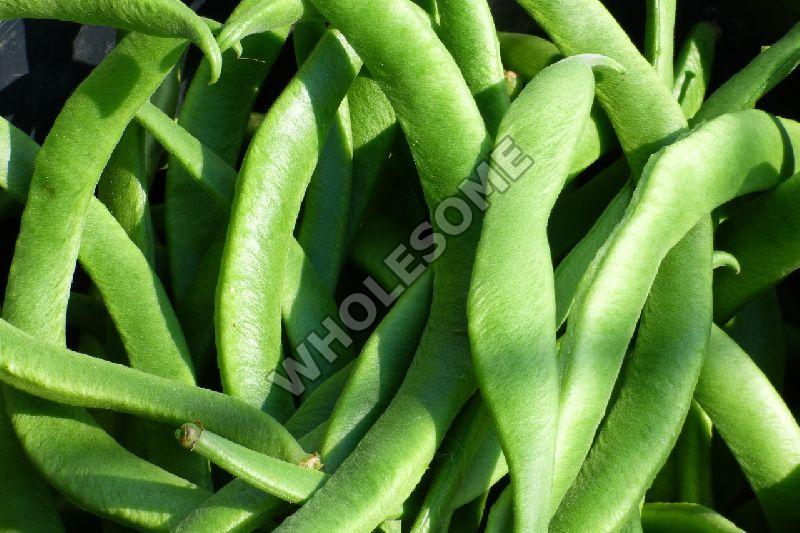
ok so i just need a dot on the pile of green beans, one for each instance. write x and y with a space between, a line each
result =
451 278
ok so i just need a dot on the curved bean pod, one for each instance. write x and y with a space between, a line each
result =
511 303
687 517
468 31
269 192
659 42
75 379
457 452
655 392
756 425
748 85
258 16
79 144
421 80
596 337
693 67
377 373
144 318
762 235
286 481
501 516
160 18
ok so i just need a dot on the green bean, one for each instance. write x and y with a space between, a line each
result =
501 516
28 503
762 236
289 482
457 451
258 16
528 55
209 170
759 166
317 408
217 115
512 323
687 517
267 201
693 67
659 43
758 329
305 305
653 118
756 425
748 85
488 467
375 129
692 457
655 392
237 506
324 226
160 18
123 189
79 144
90 382
467 30
144 318
575 212
420 78
377 373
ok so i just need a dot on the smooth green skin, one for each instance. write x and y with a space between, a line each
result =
131 292
239 506
685 517
501 516
76 379
742 91
468 31
748 85
374 127
692 456
377 373
693 67
681 183
324 226
643 123
762 235
655 392
576 212
305 302
756 425
91 468
33 508
420 78
758 329
316 409
123 189
306 305
527 55
160 18
286 481
269 192
512 311
258 16
201 163
457 452
659 41
217 116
